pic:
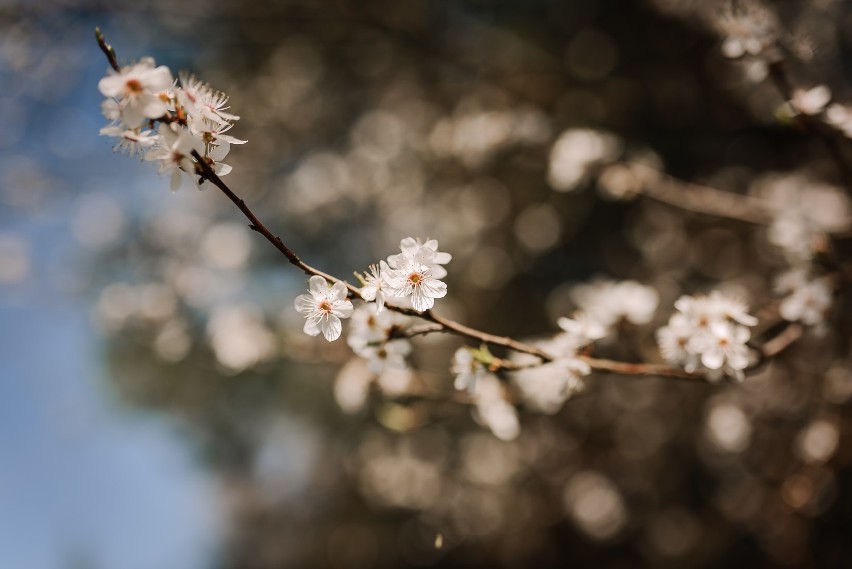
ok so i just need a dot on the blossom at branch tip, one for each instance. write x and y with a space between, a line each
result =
142 95
137 88
323 307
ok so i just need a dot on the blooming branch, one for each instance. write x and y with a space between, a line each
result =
706 340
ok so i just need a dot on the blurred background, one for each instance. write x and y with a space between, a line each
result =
161 407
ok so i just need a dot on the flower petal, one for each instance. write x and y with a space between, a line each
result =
331 327
318 285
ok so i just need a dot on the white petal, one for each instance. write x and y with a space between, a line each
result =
152 106
312 327
305 304
713 359
342 308
177 177
338 291
318 285
331 327
368 293
433 288
442 258
158 79
421 302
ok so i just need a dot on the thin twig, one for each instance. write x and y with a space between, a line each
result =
782 340
704 199
109 52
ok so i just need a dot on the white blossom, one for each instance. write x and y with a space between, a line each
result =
467 369
414 280
607 302
575 152
324 306
174 153
583 327
807 300
805 212
202 101
131 141
811 101
708 334
137 88
494 411
840 117
424 253
373 289
388 354
546 387
749 31
370 337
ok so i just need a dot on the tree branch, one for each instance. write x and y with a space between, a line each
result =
691 200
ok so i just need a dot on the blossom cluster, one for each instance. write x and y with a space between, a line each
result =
414 274
542 387
411 276
708 335
152 114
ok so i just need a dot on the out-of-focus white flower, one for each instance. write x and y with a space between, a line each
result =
750 31
575 152
370 337
494 411
708 335
174 152
131 141
137 89
724 344
807 300
583 327
546 387
715 307
805 212
840 117
467 369
323 307
607 302
673 340
388 354
811 101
